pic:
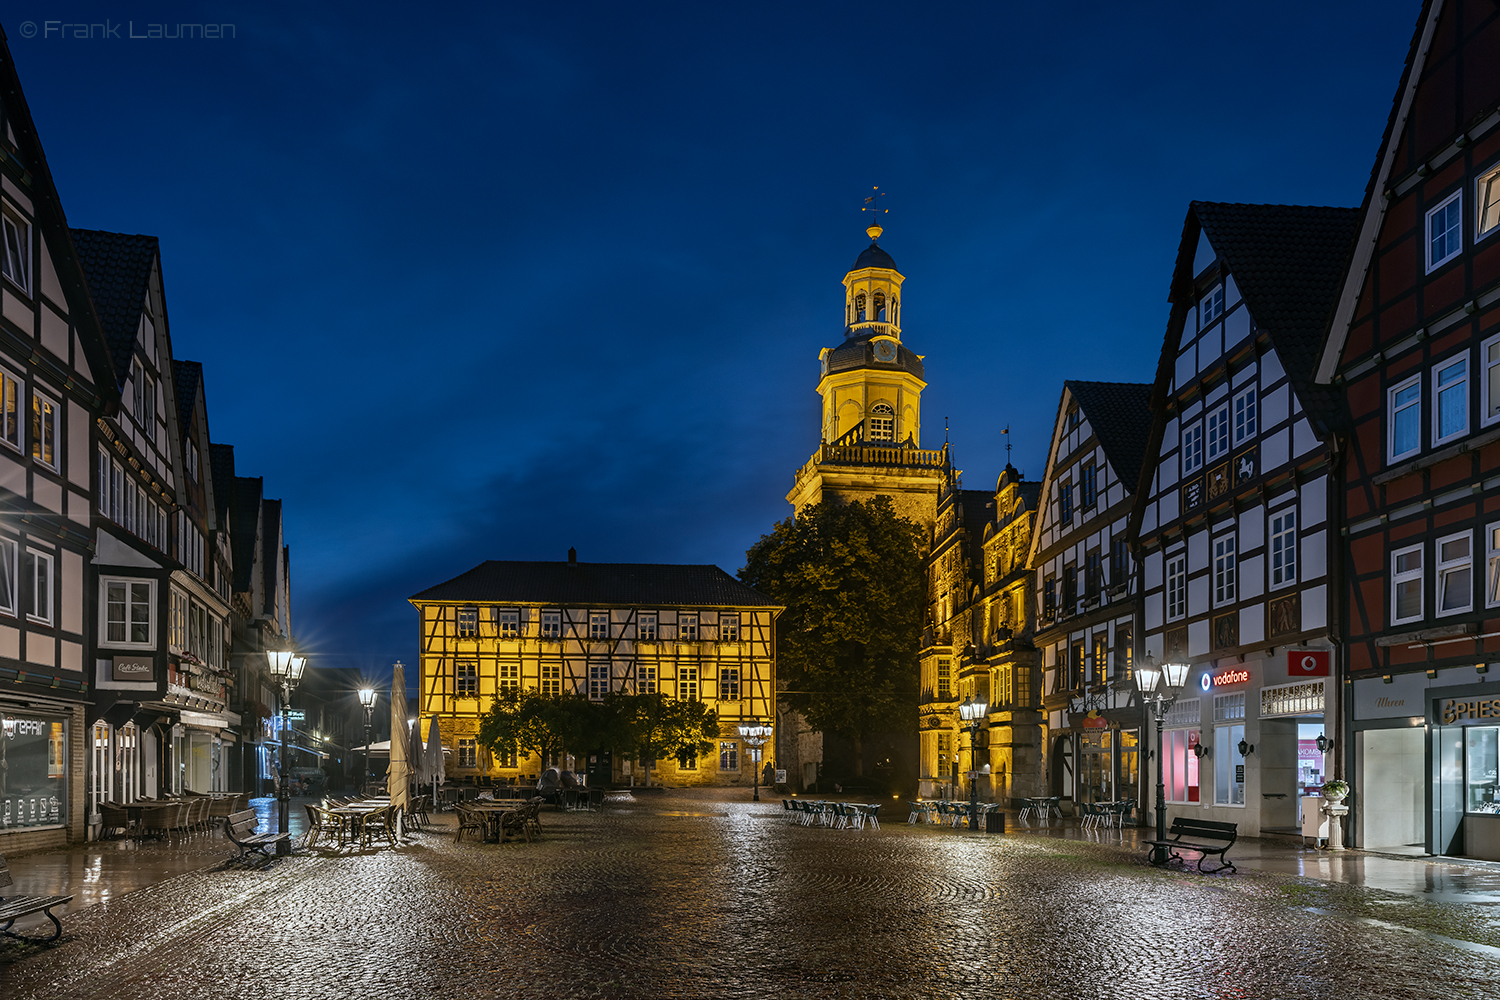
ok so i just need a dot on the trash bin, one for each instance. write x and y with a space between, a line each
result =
994 822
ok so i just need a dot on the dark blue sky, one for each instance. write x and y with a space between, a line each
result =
489 284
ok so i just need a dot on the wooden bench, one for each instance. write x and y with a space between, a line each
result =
1208 838
12 908
240 829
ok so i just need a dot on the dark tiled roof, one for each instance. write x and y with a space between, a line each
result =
856 352
1030 494
245 516
873 256
1120 416
270 539
597 584
118 269
189 374
1288 261
221 467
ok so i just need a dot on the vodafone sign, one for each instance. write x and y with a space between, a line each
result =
1308 663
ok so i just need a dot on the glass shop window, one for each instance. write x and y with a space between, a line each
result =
1229 766
1482 748
33 781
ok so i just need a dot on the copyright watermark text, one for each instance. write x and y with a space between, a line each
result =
72 31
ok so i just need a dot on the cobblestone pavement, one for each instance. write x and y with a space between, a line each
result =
688 898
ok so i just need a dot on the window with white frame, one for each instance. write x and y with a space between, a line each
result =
1450 400
37 575
510 676
551 624
468 752
507 623
1404 418
1488 190
15 255
177 615
551 678
1224 570
687 683
10 601
1176 587
599 625
137 393
882 422
1407 579
127 608
687 628
1492 561
1218 432
645 680
1212 306
1455 573
645 628
44 436
1245 415
729 626
598 680
1284 546
1489 381
1445 231
1192 449
466 679
10 409
468 623
729 684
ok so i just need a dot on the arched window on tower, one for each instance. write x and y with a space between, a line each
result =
880 307
882 422
895 310
859 308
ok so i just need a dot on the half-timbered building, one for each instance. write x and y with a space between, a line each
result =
1087 591
1414 346
1236 511
691 632
55 378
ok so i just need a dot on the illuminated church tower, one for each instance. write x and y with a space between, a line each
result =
872 403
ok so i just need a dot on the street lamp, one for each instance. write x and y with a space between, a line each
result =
1159 687
286 666
755 735
367 699
973 713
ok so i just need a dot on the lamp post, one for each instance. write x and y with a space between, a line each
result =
755 735
367 699
972 713
286 666
1159 687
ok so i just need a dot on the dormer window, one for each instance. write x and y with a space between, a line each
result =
882 422
1211 306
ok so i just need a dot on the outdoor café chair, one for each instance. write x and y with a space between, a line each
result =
470 821
317 823
381 821
872 814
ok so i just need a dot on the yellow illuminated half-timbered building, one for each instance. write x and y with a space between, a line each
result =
692 632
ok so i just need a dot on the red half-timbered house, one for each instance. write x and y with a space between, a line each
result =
1414 345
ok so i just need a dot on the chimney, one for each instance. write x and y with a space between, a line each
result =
572 556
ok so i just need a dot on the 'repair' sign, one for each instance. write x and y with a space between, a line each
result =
1459 710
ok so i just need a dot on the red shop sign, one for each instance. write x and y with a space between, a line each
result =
1308 663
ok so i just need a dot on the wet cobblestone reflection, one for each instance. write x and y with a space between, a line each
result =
689 899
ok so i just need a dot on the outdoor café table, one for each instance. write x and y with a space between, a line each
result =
493 814
352 817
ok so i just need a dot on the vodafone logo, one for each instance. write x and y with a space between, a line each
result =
1308 663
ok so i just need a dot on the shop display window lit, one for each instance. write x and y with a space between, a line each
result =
1181 775
1482 749
33 772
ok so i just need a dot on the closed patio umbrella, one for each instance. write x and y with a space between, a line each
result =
400 772
436 770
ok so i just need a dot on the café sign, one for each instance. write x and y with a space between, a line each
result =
133 668
1458 709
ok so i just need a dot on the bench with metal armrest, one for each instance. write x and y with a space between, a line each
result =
240 829
1208 839
13 908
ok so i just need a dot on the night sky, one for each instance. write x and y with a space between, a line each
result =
490 284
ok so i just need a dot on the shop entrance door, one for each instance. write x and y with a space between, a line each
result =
1392 790
1096 767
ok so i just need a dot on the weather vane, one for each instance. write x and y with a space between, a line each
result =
872 204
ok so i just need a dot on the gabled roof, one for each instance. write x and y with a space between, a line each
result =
221 468
1287 261
270 554
118 268
597 584
189 375
245 519
1119 414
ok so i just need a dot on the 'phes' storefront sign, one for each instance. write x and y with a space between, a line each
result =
1460 710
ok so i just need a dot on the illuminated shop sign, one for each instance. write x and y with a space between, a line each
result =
1454 710
1211 681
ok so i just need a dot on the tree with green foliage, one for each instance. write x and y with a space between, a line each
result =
661 726
851 578
528 723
